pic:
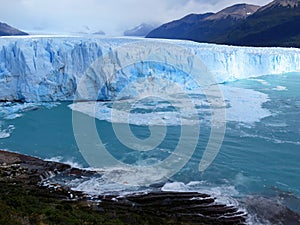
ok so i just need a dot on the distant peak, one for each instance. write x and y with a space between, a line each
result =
239 11
282 3
141 30
7 30
292 3
287 1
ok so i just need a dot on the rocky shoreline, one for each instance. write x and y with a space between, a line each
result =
25 200
21 178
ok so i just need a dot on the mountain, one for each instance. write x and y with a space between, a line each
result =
204 27
141 30
239 11
177 29
100 32
6 30
86 30
282 3
275 24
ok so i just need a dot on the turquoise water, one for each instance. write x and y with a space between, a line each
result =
257 156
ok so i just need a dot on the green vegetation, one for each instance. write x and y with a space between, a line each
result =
273 25
27 205
21 205
24 202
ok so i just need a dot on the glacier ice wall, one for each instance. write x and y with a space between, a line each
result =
36 69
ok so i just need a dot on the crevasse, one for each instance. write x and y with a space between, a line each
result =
34 69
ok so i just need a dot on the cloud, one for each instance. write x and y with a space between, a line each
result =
113 17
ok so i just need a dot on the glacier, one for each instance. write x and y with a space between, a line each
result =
50 68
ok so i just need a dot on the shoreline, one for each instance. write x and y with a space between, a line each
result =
21 179
26 200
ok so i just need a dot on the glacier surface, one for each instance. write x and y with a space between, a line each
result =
35 69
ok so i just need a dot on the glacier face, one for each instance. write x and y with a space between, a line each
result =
34 69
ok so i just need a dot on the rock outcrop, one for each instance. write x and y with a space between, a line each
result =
152 208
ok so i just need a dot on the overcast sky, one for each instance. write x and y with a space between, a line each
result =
111 16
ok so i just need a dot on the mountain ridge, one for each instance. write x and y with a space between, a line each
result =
178 27
204 26
282 3
141 30
275 24
238 11
7 30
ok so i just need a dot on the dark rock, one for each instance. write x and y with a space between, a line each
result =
271 212
25 174
29 169
6 30
156 207
182 207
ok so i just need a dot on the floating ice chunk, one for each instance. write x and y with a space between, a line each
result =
6 132
280 88
263 82
13 116
243 105
246 105
176 187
